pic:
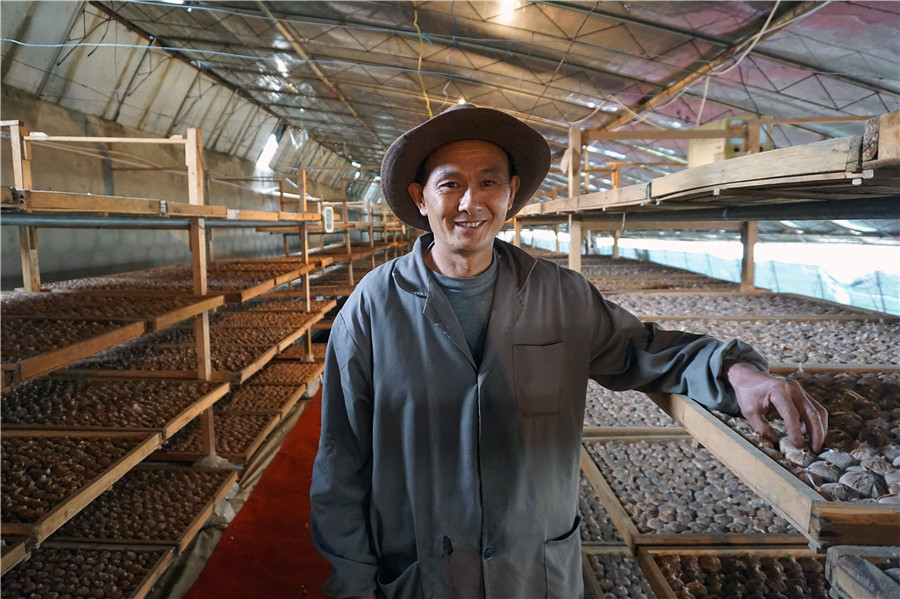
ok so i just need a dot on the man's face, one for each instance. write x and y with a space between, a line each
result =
466 195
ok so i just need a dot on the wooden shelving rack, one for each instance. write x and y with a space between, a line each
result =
140 306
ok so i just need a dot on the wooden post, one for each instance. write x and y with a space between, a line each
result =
748 239
303 190
587 172
281 194
751 137
517 236
194 160
574 160
556 234
616 235
616 176
28 236
287 249
574 243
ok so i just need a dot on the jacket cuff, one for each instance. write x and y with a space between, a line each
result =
733 350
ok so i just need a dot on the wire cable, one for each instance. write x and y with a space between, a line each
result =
419 65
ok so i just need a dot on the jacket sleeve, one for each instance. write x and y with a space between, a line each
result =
342 472
630 354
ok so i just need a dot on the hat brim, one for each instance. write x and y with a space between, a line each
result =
528 149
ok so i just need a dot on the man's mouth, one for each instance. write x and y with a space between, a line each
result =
471 225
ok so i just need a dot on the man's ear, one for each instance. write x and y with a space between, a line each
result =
513 188
415 192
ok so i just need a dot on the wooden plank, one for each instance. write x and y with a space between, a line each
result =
643 432
299 216
59 515
33 367
206 512
156 572
257 215
157 323
15 554
842 523
587 572
829 156
748 244
889 136
174 140
257 442
28 254
646 558
788 496
190 210
203 405
853 573
788 368
611 503
57 201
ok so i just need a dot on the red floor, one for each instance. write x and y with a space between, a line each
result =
267 550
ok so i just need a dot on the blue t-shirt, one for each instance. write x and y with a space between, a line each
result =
471 300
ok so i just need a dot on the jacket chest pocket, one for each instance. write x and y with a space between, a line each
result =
537 370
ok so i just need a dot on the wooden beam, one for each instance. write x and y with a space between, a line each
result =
28 237
600 134
574 244
575 144
517 235
174 140
748 270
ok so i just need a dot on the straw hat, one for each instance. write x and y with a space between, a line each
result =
528 149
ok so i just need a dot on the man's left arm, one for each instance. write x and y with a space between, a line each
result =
729 376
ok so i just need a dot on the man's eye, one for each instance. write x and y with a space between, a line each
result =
489 183
447 185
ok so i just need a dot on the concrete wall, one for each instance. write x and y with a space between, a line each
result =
111 170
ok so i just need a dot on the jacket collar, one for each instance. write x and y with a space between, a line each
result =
411 272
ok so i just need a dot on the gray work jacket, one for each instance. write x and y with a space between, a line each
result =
439 478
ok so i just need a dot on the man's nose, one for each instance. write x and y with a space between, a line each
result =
469 202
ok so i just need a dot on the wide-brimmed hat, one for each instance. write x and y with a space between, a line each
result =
528 149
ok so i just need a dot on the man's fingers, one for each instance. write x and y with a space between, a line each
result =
762 426
816 419
783 401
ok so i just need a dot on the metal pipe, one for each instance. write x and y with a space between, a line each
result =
129 222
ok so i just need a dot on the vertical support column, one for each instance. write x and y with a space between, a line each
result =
751 137
287 249
574 160
616 176
28 236
281 194
617 234
556 234
517 235
574 243
587 172
304 251
196 196
748 265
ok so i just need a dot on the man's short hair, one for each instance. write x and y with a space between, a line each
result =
422 176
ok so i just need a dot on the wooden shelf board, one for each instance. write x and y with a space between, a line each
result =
68 507
30 368
824 523
658 582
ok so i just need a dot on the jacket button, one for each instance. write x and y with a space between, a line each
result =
489 553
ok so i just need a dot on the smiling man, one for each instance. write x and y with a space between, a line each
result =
455 383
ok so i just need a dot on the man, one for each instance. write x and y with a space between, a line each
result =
455 384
